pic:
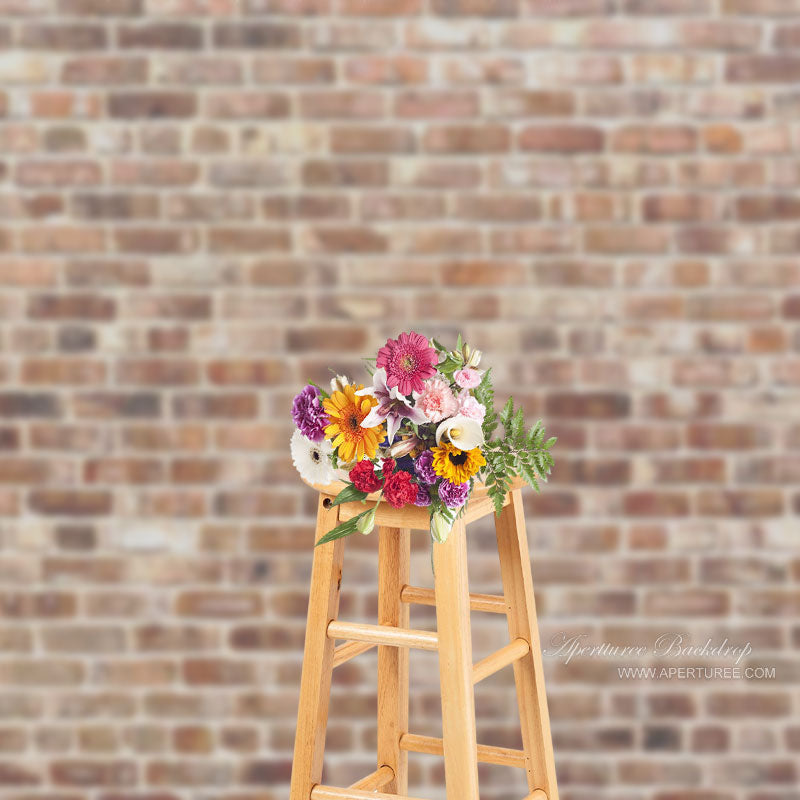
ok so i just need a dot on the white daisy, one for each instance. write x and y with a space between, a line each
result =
312 459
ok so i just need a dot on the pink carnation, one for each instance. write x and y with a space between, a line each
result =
467 378
437 400
469 407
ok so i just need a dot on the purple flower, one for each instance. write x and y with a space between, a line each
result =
453 495
423 466
392 407
423 498
308 414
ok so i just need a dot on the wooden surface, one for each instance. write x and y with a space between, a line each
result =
515 568
492 603
376 781
332 793
383 634
315 680
487 754
344 652
394 553
512 652
451 586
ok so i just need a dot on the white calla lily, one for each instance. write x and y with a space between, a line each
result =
463 432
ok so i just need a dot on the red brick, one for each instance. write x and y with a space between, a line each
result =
345 173
78 503
463 139
62 36
71 306
436 104
722 138
763 69
247 105
58 173
663 139
787 37
623 239
260 35
656 503
151 105
532 103
105 70
155 240
358 140
562 139
63 371
395 69
281 71
160 35
341 104
93 8
228 405
741 502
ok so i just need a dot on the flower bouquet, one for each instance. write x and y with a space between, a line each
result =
421 434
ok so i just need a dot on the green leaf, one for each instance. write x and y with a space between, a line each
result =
505 414
348 495
344 529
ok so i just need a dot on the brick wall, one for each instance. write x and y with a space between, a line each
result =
204 203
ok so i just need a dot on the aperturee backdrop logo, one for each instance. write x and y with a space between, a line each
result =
727 660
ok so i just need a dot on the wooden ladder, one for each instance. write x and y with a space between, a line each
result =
452 640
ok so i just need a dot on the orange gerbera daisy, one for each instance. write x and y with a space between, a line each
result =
346 412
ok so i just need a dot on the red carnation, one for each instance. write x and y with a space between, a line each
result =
388 467
399 491
364 478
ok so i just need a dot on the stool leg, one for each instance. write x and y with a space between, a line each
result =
315 682
394 545
515 567
455 665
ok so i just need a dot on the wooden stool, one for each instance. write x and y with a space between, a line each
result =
392 635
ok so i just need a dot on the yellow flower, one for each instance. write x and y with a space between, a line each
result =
457 466
346 411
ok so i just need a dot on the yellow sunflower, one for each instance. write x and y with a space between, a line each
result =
346 412
457 466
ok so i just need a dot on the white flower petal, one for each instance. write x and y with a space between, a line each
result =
463 432
312 459
373 419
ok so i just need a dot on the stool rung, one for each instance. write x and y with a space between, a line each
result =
383 634
320 792
344 652
536 794
432 745
375 780
494 604
500 658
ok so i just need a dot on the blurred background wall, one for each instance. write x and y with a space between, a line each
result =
204 203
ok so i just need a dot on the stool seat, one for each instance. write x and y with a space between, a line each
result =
451 641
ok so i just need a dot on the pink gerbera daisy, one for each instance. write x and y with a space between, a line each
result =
408 361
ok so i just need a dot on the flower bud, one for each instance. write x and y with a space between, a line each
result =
404 447
366 522
338 383
474 358
440 528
